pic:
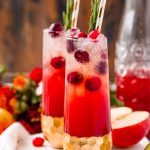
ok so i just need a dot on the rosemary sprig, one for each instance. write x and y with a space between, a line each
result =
67 16
94 12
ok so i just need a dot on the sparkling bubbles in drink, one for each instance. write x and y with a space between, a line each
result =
54 48
87 106
134 89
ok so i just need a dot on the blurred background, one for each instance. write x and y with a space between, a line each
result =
22 22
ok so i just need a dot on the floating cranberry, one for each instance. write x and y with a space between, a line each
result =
104 55
94 34
93 83
81 56
82 35
58 62
71 45
75 77
101 67
55 29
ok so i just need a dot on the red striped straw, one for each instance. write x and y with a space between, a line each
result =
100 15
75 13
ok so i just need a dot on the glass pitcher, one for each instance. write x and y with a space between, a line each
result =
132 63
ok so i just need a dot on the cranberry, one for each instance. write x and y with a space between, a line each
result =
93 83
54 34
75 77
55 29
94 34
71 45
81 56
104 55
74 29
38 141
58 62
73 32
101 67
82 35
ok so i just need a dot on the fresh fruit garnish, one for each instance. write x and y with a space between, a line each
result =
55 28
36 74
101 67
82 35
119 112
94 34
6 119
93 83
38 142
75 77
81 56
71 45
58 62
129 129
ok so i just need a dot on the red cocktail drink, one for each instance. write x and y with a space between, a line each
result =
54 49
87 108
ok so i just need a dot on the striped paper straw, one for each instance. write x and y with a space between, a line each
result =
75 13
100 15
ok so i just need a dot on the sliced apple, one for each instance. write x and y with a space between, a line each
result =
119 112
130 129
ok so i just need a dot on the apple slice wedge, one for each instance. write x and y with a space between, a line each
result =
119 112
130 129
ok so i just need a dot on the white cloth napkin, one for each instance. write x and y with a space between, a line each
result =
12 136
39 89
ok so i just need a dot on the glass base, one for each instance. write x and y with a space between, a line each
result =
53 130
91 143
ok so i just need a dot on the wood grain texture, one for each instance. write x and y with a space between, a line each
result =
22 22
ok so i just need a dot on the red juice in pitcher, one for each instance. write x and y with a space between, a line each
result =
134 89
